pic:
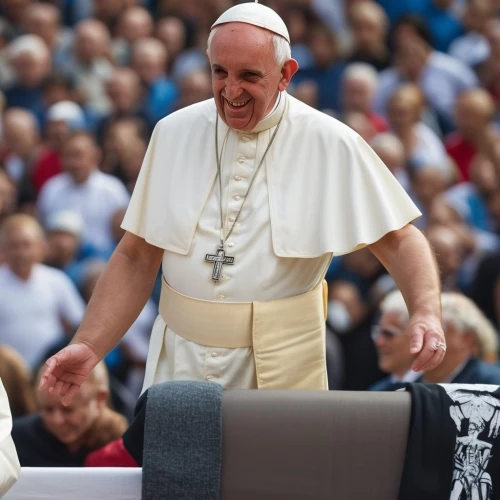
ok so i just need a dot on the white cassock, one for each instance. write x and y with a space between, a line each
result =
9 463
321 192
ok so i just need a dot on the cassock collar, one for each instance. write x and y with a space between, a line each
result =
272 119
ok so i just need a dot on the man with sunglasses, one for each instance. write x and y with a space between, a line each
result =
392 341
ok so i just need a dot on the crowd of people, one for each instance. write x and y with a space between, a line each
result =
82 86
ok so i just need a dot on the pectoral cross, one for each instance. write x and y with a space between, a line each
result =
218 260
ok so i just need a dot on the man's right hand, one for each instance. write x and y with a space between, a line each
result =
66 371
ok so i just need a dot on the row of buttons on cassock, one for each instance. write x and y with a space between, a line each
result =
230 244
211 377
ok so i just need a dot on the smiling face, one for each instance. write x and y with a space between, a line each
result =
245 77
69 423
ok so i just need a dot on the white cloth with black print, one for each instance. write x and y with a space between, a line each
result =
453 450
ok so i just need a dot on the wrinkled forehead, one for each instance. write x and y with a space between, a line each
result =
241 41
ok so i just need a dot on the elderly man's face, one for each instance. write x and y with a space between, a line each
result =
473 114
79 158
124 91
88 44
22 248
368 32
149 66
393 344
245 77
358 95
31 69
403 112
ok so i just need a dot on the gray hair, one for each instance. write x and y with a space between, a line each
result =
282 49
395 302
362 71
386 141
28 44
465 316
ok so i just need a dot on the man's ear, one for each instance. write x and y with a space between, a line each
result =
289 69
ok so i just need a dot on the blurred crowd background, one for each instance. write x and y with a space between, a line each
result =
82 85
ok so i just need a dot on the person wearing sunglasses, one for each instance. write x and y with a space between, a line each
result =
392 341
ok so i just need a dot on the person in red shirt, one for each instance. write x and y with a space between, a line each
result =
474 112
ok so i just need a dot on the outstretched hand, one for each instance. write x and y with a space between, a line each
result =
427 341
65 372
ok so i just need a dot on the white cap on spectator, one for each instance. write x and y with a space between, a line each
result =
67 111
66 221
256 14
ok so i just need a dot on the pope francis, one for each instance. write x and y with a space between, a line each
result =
244 199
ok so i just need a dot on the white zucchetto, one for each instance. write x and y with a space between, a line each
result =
256 14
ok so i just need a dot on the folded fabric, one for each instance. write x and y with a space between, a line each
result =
453 450
182 456
114 454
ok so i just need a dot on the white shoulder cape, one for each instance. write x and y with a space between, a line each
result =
328 190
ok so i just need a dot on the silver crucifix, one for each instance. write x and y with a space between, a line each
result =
218 260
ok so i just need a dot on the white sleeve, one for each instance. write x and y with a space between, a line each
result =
71 305
9 463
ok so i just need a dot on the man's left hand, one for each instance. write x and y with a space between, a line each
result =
428 341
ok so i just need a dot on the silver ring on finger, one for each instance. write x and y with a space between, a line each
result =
439 345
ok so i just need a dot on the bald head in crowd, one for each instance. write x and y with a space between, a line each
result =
427 183
172 32
370 26
149 59
405 107
124 89
135 23
390 150
91 41
474 112
20 132
43 19
22 244
195 87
